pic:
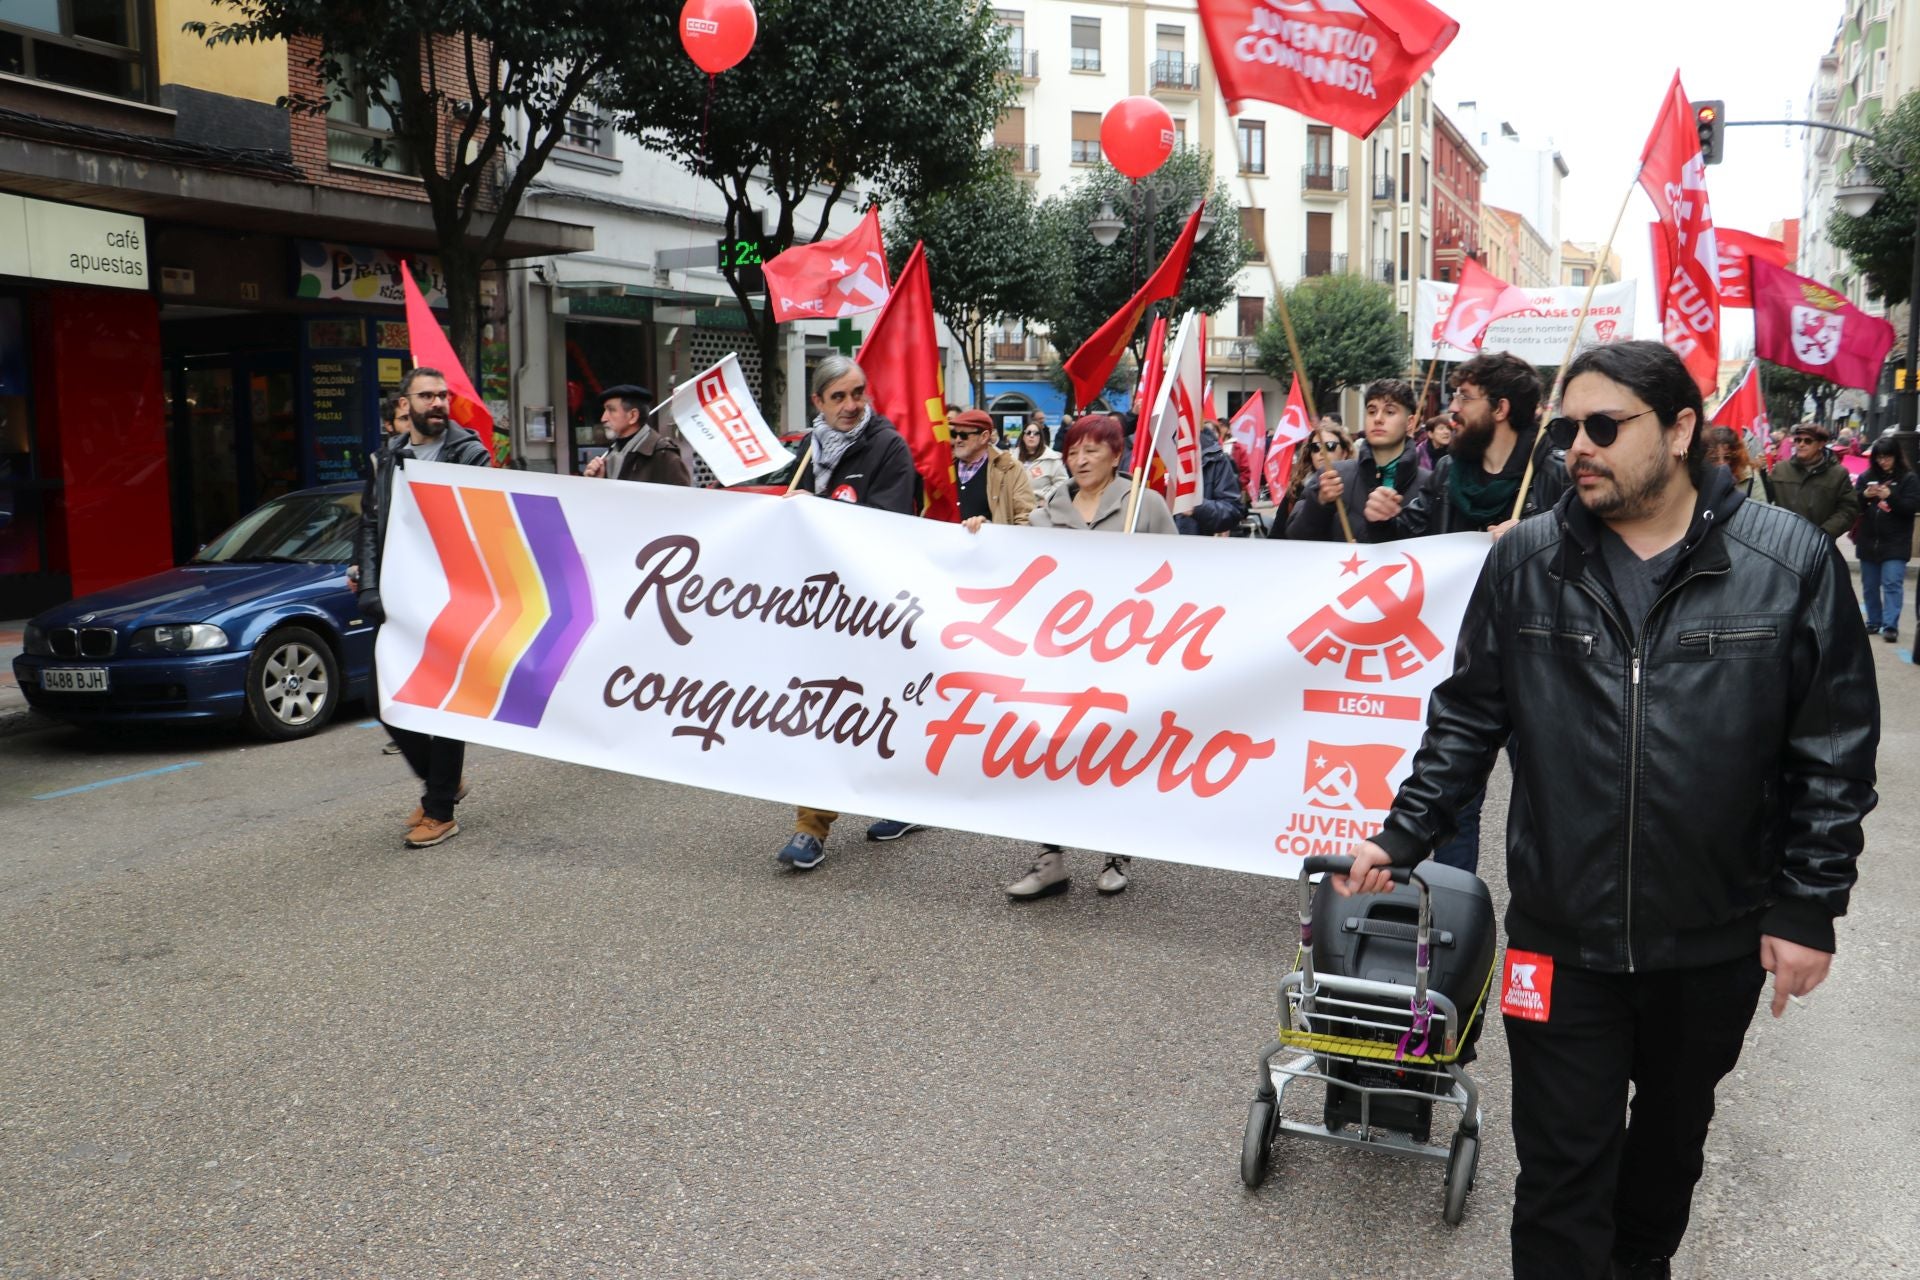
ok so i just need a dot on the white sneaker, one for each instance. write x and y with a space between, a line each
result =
1048 877
1113 876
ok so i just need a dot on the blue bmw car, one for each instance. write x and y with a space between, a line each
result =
261 628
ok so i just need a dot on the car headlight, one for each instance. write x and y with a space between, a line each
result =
178 637
33 641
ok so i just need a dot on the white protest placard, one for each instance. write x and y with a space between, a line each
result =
1539 336
716 412
1147 695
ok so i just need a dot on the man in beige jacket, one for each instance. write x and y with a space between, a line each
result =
994 488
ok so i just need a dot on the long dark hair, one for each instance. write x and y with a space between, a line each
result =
1881 448
1039 427
1660 379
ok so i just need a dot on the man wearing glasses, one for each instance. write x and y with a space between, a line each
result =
1669 845
1813 484
1495 409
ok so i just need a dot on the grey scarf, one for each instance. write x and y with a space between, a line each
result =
829 446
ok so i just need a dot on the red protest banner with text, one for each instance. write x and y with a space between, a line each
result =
832 278
1673 173
1343 62
1084 691
901 357
427 347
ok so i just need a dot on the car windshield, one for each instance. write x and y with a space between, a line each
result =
301 528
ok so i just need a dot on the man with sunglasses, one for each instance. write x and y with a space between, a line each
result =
1668 845
1813 484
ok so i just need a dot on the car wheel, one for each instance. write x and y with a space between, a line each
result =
293 684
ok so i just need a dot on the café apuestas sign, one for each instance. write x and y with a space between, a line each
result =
45 241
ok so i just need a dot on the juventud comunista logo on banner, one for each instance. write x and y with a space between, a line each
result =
1148 695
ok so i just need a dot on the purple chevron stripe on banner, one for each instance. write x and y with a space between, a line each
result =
531 686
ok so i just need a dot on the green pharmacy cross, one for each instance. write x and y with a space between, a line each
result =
845 338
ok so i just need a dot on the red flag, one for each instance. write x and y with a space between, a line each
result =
1481 299
1343 62
1151 370
1745 409
1804 325
427 346
1089 367
1351 778
1674 175
1735 247
901 357
833 278
1294 427
1248 429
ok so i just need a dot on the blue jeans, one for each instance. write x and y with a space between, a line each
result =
1463 849
1882 588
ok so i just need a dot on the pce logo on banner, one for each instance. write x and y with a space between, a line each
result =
1371 629
519 604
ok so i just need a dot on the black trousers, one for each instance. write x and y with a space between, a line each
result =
437 762
1593 1185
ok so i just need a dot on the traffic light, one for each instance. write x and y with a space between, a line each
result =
1710 118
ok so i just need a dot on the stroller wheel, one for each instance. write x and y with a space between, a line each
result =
1256 1149
1461 1162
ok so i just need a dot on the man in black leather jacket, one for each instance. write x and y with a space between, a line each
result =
430 437
1695 674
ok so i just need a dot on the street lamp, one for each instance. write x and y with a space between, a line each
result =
1857 196
1105 225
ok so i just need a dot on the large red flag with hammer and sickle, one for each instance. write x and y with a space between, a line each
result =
833 278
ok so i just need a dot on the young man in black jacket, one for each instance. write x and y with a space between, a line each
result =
430 437
854 455
1670 843
1374 486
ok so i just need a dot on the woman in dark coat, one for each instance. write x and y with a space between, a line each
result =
1889 499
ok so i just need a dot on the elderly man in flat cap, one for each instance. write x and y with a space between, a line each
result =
638 451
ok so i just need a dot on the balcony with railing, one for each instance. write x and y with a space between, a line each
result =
1323 179
1383 187
1016 349
1084 59
1024 155
1023 62
1175 73
1085 151
1320 262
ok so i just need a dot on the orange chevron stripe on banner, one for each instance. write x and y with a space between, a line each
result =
469 605
523 603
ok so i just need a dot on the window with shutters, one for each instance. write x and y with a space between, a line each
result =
1086 44
1253 228
1253 315
1086 137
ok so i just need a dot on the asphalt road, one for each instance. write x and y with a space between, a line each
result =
244 1033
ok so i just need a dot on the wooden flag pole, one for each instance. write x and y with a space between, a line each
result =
806 456
1426 382
1573 343
1286 316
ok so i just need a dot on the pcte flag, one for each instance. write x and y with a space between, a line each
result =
716 413
833 278
1343 62
1293 428
1024 683
1480 299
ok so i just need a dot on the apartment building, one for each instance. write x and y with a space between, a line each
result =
1582 264
1458 172
1315 201
1873 61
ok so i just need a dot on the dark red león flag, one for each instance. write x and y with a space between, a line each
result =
901 358
1804 325
1089 367
1343 62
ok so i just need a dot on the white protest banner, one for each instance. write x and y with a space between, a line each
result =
1155 696
1540 335
716 411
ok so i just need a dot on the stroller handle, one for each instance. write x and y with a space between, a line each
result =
1341 864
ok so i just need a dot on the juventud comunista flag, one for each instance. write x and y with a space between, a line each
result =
1136 694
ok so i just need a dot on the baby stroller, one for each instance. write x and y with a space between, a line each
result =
1383 1010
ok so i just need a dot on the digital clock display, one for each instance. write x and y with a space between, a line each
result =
741 259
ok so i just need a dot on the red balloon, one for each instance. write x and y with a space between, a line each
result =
718 33
1137 136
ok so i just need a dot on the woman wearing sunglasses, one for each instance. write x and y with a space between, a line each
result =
1329 444
1046 470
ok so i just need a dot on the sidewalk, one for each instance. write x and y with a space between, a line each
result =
15 715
